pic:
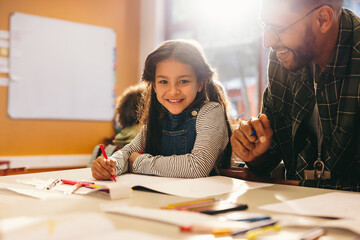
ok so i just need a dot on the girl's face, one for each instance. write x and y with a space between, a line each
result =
176 85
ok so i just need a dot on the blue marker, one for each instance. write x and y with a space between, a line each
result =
256 225
253 133
242 114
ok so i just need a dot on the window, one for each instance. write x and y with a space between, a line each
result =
229 33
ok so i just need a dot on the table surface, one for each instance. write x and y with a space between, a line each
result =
15 205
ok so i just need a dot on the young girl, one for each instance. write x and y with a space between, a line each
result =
185 129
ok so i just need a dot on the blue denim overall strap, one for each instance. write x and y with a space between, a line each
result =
179 132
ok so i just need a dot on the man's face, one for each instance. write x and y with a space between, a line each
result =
288 33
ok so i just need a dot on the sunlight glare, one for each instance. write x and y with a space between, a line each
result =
226 12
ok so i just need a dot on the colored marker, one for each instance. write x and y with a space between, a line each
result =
73 189
259 224
238 117
252 234
171 206
105 156
196 205
85 184
205 230
253 133
246 217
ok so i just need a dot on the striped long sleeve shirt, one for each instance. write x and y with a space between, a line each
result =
210 143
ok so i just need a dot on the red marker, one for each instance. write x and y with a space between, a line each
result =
105 156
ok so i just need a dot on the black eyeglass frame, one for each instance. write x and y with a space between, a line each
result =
277 32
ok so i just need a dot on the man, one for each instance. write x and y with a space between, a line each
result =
311 107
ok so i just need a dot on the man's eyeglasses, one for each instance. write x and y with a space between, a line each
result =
276 32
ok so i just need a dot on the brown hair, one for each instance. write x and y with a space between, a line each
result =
187 52
127 105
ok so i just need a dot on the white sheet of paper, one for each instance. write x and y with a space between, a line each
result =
191 188
174 217
30 191
129 234
300 221
336 204
61 226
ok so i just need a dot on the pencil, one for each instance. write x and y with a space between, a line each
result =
252 234
171 206
205 230
105 156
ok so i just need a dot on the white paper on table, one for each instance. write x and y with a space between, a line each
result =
30 191
191 188
128 234
60 226
175 217
336 205
116 190
300 221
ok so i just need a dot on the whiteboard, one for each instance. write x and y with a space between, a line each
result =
60 69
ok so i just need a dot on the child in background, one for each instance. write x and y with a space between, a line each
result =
127 115
126 121
185 129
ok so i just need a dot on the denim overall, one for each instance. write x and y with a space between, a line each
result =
178 132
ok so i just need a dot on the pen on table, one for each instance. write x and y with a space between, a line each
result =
238 117
252 234
46 184
197 205
313 234
205 229
259 224
253 219
56 181
74 188
105 156
86 184
189 203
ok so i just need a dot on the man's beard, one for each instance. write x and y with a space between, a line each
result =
304 53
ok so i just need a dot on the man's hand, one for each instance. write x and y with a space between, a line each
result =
249 148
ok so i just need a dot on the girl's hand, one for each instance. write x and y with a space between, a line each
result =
132 158
102 169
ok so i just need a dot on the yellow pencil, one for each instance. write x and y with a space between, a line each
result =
252 234
171 206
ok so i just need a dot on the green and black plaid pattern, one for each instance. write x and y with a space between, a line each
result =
289 99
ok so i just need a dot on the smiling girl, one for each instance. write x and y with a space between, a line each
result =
185 125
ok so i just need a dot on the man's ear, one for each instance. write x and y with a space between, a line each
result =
325 18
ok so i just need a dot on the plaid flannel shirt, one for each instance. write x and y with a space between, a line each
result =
289 100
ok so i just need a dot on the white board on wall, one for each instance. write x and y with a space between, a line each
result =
60 69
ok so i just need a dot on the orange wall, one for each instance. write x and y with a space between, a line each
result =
42 137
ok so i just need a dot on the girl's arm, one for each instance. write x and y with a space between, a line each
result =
211 140
121 157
